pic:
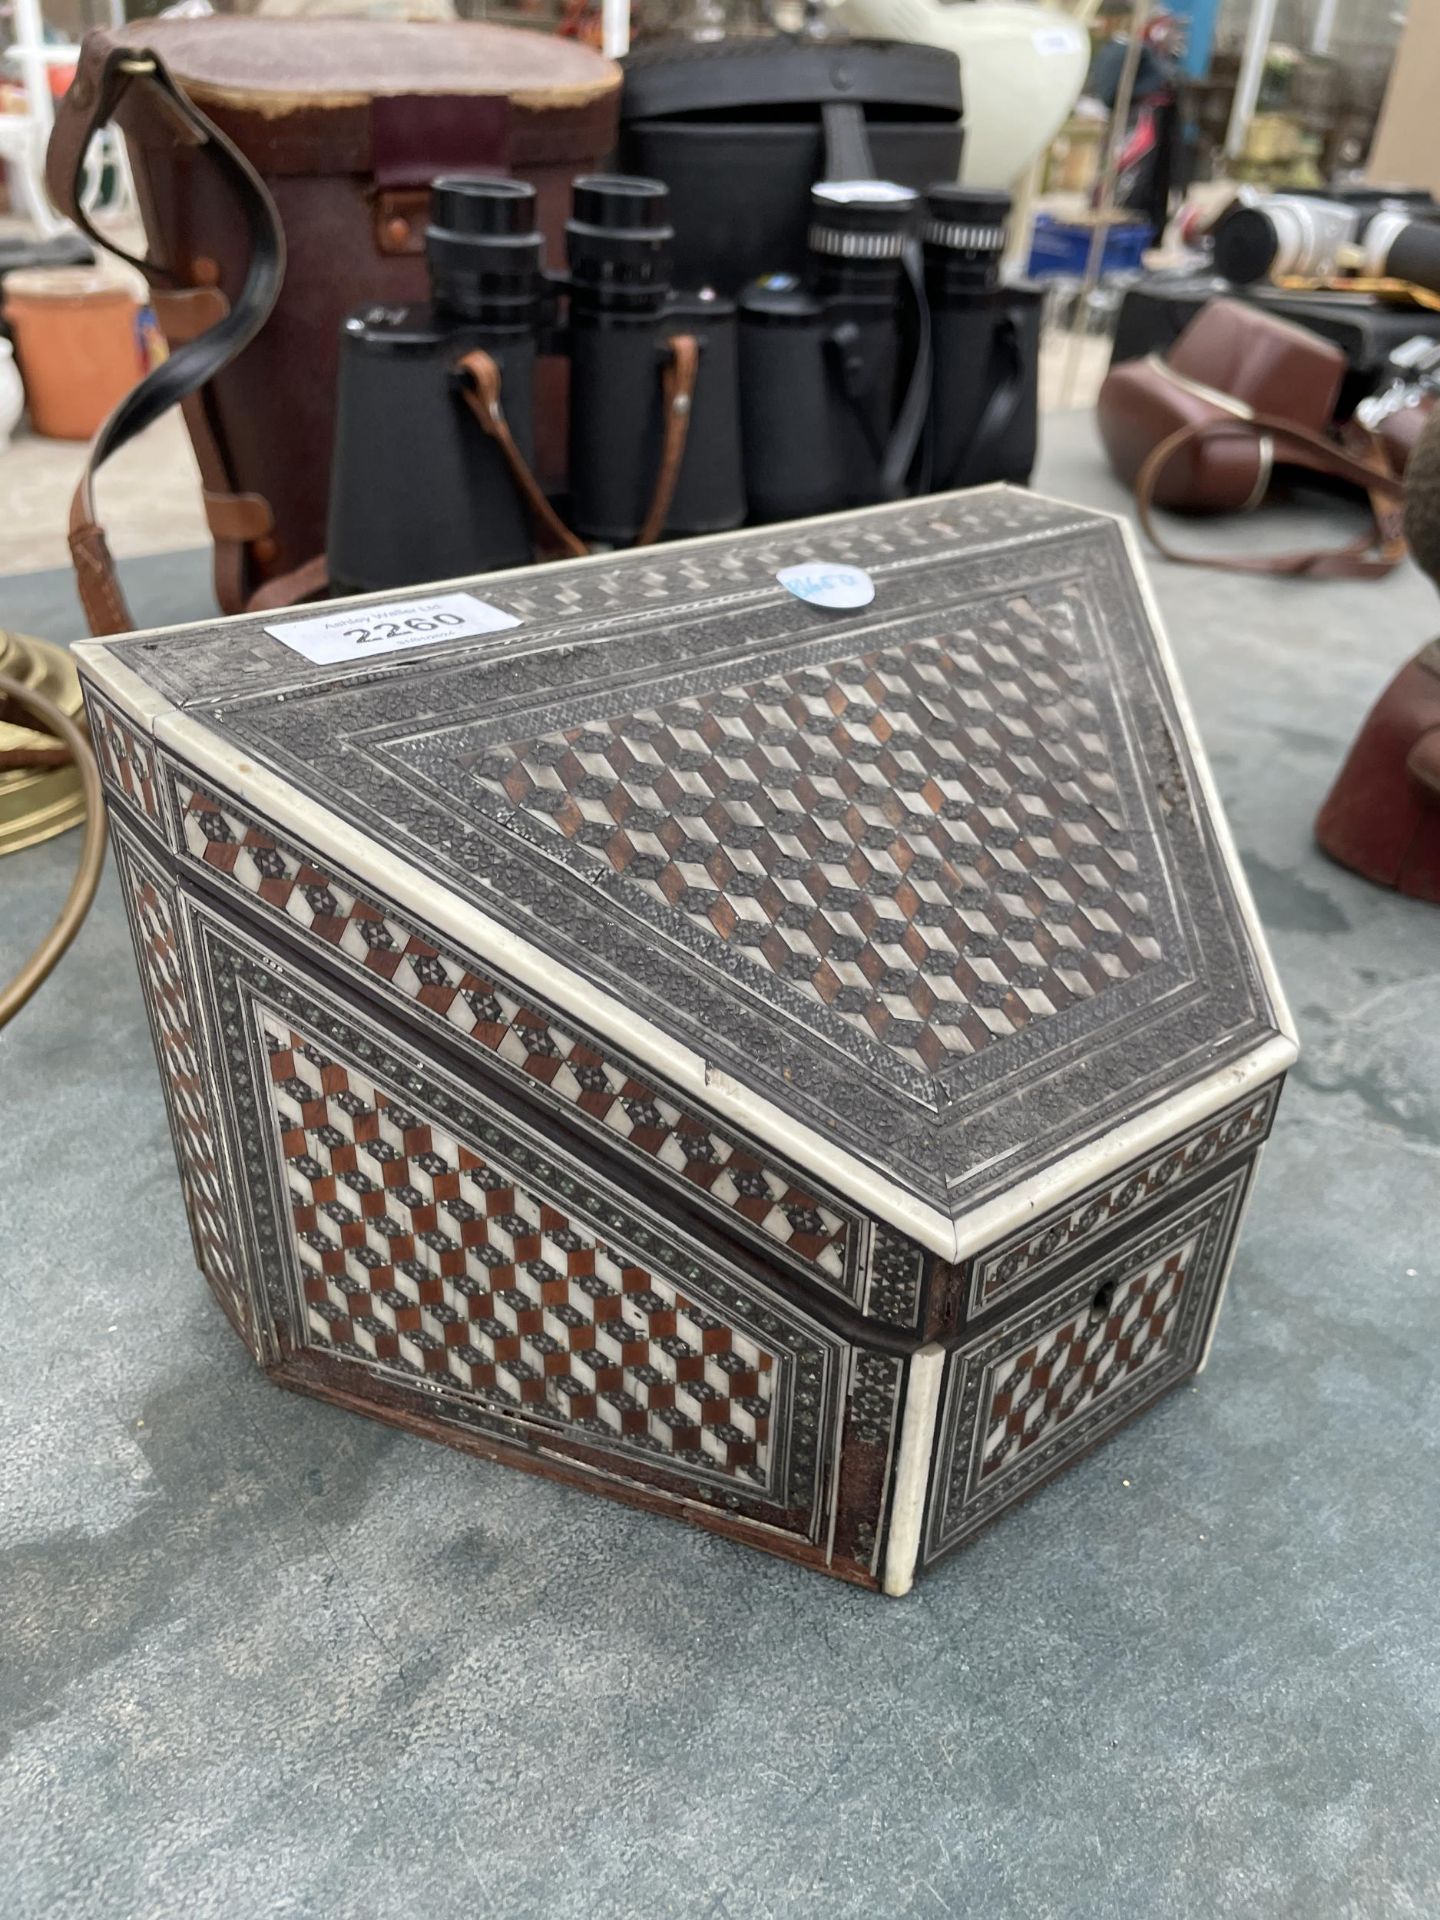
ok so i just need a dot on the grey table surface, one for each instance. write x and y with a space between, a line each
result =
259 1656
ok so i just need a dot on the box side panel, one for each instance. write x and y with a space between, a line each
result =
433 1256
1124 1321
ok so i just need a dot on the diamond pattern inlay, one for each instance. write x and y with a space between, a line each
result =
1074 1365
419 1254
925 837
523 1040
127 760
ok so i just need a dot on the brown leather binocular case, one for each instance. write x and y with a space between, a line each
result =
283 170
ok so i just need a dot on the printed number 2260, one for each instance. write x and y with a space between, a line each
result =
398 629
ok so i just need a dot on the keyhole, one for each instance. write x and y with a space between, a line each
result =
1103 1301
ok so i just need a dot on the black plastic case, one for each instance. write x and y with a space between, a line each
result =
741 130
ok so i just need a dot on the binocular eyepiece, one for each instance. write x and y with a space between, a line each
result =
868 223
483 247
965 233
485 251
859 226
619 241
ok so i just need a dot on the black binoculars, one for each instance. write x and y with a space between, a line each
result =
899 364
859 384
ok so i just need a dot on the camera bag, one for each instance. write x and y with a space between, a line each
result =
283 170
1202 429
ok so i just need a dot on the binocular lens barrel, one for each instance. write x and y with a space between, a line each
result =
965 234
858 229
483 247
618 241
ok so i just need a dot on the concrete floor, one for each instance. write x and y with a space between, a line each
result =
259 1657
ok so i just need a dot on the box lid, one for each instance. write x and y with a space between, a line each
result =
932 895
741 79
283 66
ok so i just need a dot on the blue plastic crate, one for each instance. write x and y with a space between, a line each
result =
1062 247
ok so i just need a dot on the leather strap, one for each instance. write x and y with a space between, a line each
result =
677 389
480 378
309 581
481 387
242 525
1369 557
197 358
905 436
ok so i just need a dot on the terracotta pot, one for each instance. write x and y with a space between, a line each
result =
78 345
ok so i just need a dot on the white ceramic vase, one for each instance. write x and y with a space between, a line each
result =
12 394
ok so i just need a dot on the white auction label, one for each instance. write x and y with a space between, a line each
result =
828 583
350 633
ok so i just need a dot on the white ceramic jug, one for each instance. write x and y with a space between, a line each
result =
1022 65
12 394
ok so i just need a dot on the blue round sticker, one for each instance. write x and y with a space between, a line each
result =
828 583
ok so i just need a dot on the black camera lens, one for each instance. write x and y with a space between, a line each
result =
1403 248
965 232
618 240
1246 245
483 246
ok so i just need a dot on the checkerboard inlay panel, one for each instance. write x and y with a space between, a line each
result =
927 838
419 1255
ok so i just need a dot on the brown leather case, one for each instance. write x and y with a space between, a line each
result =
1231 361
346 122
1382 816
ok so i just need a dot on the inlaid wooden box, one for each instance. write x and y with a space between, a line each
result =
801 1070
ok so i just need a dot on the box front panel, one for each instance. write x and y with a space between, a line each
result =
1031 1394
429 1249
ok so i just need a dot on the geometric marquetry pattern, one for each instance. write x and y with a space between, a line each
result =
1025 1399
1084 1358
927 838
665 576
1134 1188
521 1038
127 762
179 1063
418 1255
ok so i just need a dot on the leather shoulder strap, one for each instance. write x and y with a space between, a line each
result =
1369 557
124 71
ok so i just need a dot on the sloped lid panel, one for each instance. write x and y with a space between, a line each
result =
932 878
